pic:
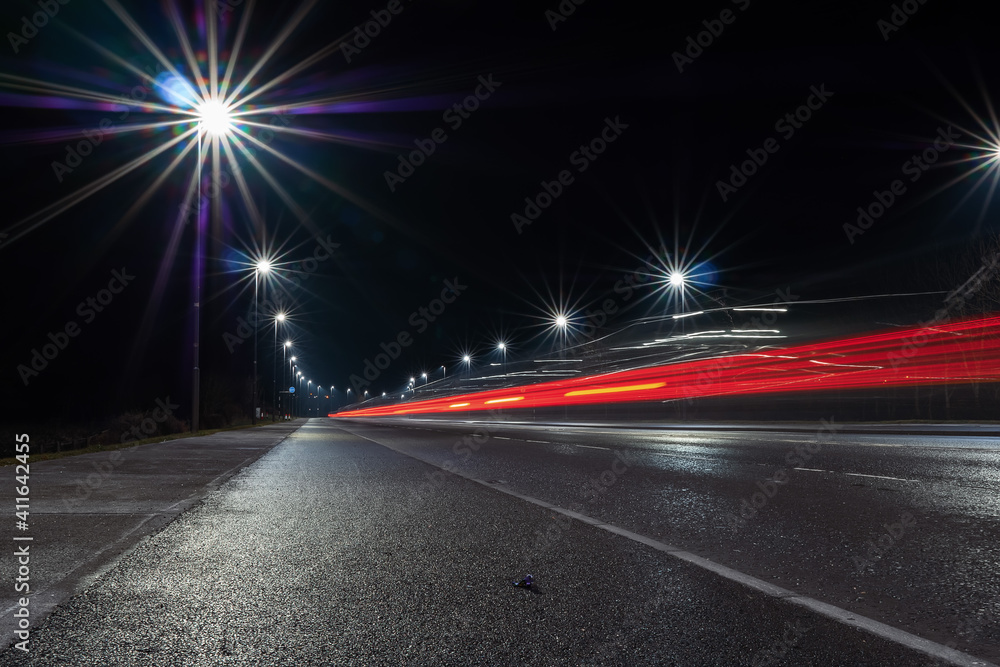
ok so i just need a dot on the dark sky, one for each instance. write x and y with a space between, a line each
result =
885 94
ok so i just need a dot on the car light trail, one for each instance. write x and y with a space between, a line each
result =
615 390
954 353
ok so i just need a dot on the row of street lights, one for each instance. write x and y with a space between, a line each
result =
263 267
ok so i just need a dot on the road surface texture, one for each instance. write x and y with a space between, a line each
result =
332 549
904 529
88 510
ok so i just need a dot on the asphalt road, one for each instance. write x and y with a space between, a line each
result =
85 511
332 549
902 529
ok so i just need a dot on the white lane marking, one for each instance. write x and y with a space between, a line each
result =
500 437
898 479
812 469
594 447
543 442
870 625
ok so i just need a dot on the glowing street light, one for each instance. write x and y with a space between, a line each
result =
284 352
262 266
561 322
214 118
280 317
502 346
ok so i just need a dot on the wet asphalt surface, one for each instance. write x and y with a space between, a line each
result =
331 549
88 510
833 530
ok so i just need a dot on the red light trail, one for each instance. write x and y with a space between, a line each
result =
954 353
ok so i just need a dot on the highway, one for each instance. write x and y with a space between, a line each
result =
345 542
902 529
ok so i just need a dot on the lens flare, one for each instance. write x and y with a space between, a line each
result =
215 118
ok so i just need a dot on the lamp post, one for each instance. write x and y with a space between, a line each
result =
562 322
262 266
291 379
502 346
280 317
444 372
468 365
284 352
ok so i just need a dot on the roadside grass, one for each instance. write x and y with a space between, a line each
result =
48 456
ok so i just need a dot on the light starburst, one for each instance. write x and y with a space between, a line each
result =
215 118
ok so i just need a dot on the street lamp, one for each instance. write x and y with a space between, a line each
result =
262 266
468 365
444 372
502 346
424 376
280 317
284 352
562 323
298 388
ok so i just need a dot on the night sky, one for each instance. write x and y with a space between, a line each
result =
869 94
